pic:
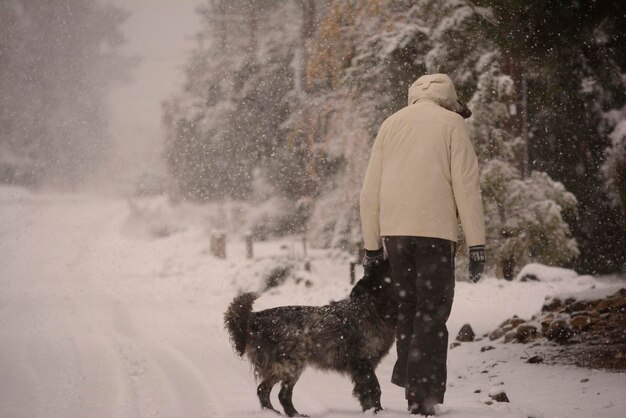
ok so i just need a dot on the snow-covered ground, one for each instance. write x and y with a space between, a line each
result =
105 312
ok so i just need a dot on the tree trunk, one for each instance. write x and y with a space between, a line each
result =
518 109
308 29
508 267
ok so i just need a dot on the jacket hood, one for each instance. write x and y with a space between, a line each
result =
436 87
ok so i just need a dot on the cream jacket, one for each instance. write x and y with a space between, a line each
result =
423 171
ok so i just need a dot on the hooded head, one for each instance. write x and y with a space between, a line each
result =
438 88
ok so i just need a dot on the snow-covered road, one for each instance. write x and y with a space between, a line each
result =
99 322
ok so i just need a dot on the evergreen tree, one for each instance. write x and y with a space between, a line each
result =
524 214
570 60
368 56
57 59
614 168
365 56
229 122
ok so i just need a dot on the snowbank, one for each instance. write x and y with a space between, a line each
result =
536 271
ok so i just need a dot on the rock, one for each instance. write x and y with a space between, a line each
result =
477 391
554 305
615 303
510 337
515 321
580 323
559 331
487 348
496 333
528 277
525 333
499 396
593 314
592 333
506 326
545 324
511 323
454 344
585 380
579 306
466 334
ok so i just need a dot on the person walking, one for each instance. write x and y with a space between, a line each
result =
422 177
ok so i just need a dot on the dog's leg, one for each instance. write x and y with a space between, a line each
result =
285 394
366 386
263 391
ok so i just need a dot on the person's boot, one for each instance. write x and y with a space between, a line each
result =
420 409
427 408
411 401
414 406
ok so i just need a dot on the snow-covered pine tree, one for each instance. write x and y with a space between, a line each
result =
368 57
524 215
57 60
227 124
614 167
571 58
365 56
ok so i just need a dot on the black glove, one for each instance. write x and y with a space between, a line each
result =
372 259
476 262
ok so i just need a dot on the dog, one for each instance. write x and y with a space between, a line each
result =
350 336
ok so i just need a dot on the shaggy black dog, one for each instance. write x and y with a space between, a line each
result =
350 336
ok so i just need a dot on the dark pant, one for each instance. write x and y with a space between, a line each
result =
422 270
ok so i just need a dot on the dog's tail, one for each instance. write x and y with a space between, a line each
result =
236 320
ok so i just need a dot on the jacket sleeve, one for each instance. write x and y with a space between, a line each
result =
370 196
466 186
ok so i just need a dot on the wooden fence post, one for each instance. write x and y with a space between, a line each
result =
359 252
218 244
352 272
249 247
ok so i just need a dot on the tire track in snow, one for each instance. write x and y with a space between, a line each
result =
192 393
164 379
231 383
55 339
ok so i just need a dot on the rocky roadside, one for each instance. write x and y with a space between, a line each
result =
586 333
